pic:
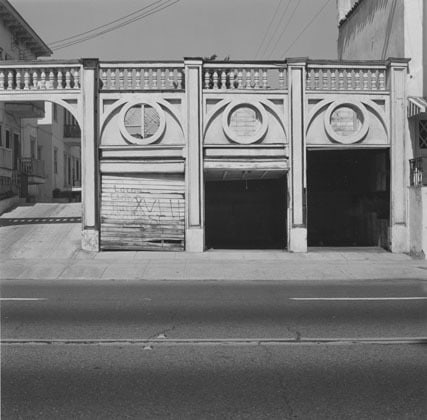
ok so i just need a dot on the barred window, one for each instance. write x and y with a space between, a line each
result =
422 134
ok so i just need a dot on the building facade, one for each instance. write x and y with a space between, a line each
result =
397 28
195 155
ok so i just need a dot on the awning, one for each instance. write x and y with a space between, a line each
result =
416 106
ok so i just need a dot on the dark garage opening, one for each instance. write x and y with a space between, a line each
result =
247 214
348 197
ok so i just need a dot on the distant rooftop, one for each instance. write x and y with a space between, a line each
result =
18 25
350 12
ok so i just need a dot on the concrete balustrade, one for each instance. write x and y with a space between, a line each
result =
244 76
142 76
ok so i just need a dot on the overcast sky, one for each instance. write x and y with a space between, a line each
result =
189 28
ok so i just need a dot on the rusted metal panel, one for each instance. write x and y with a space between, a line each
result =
143 212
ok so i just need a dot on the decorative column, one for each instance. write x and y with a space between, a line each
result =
297 238
89 150
397 74
194 235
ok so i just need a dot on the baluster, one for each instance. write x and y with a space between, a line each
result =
170 74
239 79
349 79
1 80
59 83
381 79
333 79
112 79
10 80
310 81
316 80
207 79
129 79
366 80
374 80
155 75
357 84
341 80
215 80
281 78
146 79
256 79
18 79
67 79
264 79
51 83
76 75
104 79
223 80
179 79
162 79
35 79
138 79
27 80
43 80
249 79
121 79
231 79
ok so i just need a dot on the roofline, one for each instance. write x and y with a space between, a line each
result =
349 13
46 51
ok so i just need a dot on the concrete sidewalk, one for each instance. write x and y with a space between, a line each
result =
218 265
42 241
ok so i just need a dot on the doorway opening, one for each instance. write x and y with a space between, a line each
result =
348 197
246 214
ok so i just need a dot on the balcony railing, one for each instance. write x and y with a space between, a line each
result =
39 76
346 77
418 169
32 167
5 158
244 76
142 76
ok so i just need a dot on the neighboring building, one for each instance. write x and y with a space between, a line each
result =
21 167
374 29
59 140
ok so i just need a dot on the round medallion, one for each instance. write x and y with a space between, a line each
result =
142 122
346 122
244 123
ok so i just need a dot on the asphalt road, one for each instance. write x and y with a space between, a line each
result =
196 350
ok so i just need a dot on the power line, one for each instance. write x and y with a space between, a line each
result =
268 28
285 27
59 41
277 26
121 25
306 27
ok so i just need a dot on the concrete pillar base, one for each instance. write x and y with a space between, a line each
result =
399 239
195 240
298 239
90 240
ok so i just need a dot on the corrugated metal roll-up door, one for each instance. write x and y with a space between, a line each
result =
142 212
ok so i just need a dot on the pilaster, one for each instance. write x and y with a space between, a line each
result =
398 157
89 150
194 237
297 176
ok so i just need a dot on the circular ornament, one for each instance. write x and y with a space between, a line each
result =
244 122
142 123
346 122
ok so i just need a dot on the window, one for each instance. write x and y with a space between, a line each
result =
55 112
1 54
1 136
7 139
39 152
33 147
422 134
55 161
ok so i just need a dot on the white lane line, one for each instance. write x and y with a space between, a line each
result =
363 298
23 299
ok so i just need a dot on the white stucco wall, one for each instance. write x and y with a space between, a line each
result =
418 220
373 31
